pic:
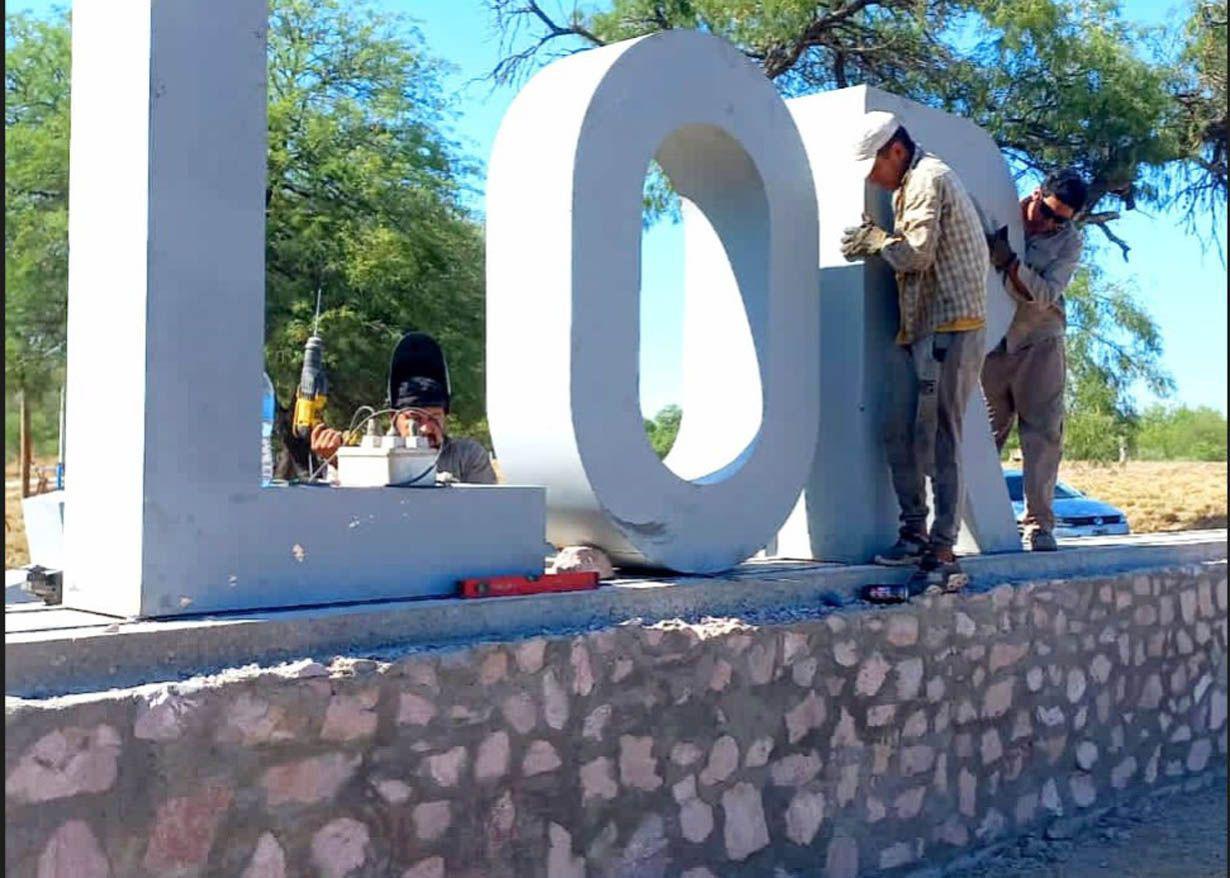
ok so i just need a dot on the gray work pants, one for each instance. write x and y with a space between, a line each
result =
928 385
1027 386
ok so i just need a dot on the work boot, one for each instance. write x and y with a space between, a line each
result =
1041 541
903 553
938 571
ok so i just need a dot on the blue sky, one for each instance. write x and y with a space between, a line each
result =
1181 284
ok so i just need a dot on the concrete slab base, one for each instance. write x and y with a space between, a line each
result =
50 651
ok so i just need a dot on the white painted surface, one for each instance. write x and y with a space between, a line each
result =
563 238
43 516
850 510
164 513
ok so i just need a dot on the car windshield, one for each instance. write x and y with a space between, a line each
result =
1017 494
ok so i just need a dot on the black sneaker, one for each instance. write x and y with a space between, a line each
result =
1040 540
906 552
936 575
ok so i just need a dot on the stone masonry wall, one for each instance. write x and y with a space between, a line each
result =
858 742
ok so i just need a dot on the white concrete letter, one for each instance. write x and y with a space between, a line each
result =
563 239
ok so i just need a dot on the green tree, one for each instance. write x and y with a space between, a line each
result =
663 429
364 201
1200 120
36 54
1181 433
1057 83
1113 345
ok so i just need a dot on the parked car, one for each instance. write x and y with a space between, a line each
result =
1075 514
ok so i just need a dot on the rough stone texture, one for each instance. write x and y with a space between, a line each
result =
268 860
350 717
308 781
340 847
492 759
560 861
637 766
432 867
598 780
64 763
803 817
73 852
539 759
431 819
723 760
745 828
184 829
860 740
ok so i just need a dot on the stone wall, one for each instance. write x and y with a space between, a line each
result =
861 741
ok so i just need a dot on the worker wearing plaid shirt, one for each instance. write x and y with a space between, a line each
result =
938 250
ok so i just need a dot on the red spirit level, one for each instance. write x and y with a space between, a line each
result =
512 586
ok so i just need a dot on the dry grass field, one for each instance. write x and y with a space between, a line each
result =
1157 496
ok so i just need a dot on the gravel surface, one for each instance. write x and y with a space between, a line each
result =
1174 835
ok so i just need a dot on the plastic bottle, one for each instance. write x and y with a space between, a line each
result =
268 407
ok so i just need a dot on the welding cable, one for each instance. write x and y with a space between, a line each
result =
375 414
361 408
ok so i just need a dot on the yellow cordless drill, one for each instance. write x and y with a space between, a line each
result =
313 383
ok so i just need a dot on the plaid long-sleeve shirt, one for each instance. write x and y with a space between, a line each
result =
939 251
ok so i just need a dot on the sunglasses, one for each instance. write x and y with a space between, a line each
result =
1049 213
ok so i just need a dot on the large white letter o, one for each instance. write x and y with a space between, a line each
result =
563 268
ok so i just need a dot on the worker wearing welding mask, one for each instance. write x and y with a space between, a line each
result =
419 391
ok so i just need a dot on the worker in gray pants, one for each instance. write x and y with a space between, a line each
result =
1023 377
938 252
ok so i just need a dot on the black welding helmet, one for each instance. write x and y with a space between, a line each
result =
418 375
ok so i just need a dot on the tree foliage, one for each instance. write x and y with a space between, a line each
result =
36 121
1181 433
663 429
1113 347
364 201
1200 121
1056 82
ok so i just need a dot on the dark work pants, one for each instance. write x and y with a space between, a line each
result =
928 386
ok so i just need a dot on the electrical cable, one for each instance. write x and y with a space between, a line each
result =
374 414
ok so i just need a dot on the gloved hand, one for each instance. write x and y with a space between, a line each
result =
863 240
1002 255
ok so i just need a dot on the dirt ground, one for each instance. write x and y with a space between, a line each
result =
1179 835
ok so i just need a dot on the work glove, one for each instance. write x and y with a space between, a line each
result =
863 240
1002 255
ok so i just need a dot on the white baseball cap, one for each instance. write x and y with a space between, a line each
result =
878 129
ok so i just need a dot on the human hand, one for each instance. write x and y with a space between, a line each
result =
325 442
1002 255
866 239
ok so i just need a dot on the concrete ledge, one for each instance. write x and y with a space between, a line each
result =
53 651
872 742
